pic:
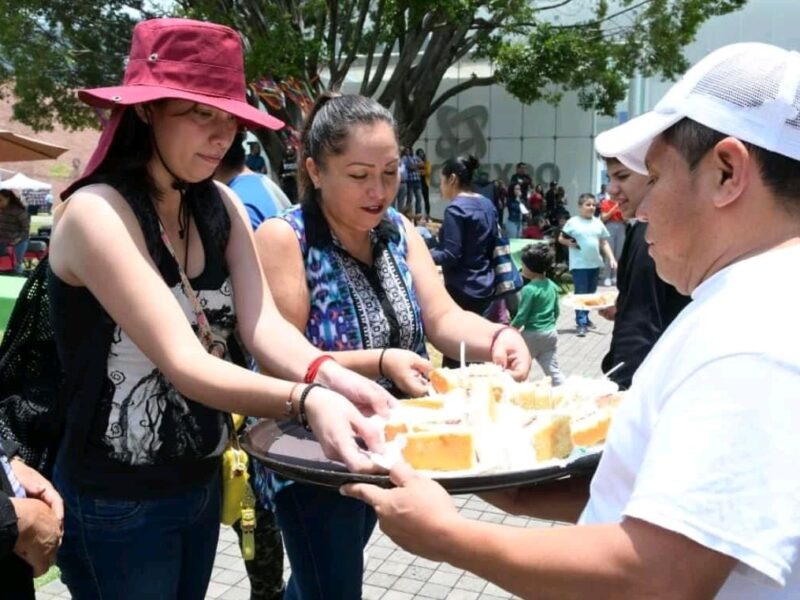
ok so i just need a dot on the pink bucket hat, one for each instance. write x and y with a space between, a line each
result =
177 59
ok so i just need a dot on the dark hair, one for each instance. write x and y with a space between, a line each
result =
584 198
462 168
124 168
521 164
538 258
327 129
780 173
234 158
421 153
12 198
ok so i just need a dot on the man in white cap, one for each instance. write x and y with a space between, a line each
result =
697 494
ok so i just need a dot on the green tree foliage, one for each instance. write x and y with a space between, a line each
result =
402 48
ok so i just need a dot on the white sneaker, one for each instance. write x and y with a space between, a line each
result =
607 282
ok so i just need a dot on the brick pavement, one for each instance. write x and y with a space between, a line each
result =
392 573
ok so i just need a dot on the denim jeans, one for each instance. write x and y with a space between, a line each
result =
585 281
400 199
513 228
120 549
414 189
325 535
18 257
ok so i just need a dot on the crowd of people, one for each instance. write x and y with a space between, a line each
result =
184 286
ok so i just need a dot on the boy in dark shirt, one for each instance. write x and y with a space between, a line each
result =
646 305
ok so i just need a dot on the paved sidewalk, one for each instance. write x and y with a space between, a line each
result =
392 573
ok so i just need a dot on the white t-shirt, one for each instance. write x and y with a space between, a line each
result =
707 444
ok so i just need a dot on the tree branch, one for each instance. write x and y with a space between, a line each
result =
472 82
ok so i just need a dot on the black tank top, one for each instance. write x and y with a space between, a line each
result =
129 432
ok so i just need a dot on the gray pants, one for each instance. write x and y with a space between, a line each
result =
542 345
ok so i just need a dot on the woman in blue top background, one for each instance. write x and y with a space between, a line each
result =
356 277
466 241
586 237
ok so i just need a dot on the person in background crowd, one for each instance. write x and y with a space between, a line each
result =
536 201
466 241
262 198
697 493
646 304
255 161
514 204
502 196
289 174
603 195
345 236
31 525
425 175
612 216
587 239
538 310
533 231
413 183
421 223
481 184
522 178
146 362
401 199
15 223
554 231
550 200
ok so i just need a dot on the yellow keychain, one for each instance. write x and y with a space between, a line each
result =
248 524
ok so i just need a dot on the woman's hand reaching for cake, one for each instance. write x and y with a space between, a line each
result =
407 370
336 423
510 352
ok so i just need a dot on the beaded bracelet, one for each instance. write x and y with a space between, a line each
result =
301 413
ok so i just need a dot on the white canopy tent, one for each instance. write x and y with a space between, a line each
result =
23 182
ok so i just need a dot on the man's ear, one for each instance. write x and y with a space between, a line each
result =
313 171
731 165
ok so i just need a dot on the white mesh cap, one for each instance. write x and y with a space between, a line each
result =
748 91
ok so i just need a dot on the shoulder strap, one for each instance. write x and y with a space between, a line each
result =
203 327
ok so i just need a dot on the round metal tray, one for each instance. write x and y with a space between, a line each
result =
290 451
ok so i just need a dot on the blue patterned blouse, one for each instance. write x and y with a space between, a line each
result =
354 306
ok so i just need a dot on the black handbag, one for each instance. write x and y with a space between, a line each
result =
30 376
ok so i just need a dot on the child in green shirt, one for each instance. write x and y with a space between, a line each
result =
538 310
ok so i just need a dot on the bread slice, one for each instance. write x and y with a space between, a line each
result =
551 437
440 448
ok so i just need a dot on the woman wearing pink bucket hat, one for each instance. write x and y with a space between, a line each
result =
147 248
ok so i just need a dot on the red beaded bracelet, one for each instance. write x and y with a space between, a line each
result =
313 368
496 335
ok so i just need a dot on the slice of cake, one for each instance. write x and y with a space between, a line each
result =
592 428
440 448
444 380
551 436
